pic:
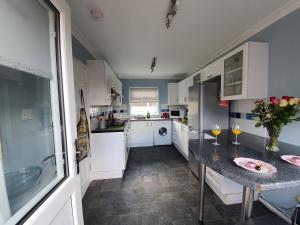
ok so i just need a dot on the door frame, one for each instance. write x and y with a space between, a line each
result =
70 187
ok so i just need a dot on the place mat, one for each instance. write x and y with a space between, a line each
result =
255 165
292 159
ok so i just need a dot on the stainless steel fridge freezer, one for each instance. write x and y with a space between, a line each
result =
203 112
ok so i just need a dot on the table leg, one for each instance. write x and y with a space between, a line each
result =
202 176
247 204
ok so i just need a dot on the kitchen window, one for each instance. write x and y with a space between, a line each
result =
143 100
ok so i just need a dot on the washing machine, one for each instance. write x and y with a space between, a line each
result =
162 132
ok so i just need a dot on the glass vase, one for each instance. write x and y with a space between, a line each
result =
272 146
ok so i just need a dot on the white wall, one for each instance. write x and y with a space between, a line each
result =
80 82
284 72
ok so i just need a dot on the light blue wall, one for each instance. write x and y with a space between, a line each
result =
80 52
284 64
162 86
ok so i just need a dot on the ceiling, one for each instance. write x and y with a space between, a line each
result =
132 32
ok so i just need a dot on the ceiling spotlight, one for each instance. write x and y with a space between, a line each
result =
171 13
153 64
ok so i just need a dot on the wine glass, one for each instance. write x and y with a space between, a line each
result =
236 130
216 130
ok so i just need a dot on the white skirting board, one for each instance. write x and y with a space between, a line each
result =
101 175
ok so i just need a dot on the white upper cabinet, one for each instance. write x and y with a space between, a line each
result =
173 94
245 72
183 90
101 80
212 70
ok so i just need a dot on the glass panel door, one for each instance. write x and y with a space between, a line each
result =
32 146
233 75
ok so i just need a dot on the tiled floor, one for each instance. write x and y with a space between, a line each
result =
157 189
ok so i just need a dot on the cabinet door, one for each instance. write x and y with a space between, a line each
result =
185 146
108 83
233 75
141 133
173 93
181 92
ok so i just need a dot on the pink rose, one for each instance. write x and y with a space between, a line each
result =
286 97
274 100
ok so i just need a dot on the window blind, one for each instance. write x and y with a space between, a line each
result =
143 95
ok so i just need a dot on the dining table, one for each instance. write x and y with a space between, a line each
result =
221 159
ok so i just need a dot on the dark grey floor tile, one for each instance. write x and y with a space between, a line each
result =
148 218
129 219
186 222
157 188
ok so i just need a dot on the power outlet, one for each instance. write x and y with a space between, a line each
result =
27 114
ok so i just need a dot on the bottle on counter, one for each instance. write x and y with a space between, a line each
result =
148 115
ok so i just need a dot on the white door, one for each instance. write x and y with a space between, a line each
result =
38 124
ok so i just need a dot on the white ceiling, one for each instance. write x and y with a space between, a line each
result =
132 32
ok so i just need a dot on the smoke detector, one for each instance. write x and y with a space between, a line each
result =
96 14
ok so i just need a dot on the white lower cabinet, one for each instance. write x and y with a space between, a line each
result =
108 155
180 137
141 133
228 191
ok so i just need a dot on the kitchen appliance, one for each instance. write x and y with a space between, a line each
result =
204 111
162 132
176 113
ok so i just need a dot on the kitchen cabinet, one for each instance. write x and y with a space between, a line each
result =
108 155
245 72
227 190
173 94
189 81
212 70
127 141
141 133
101 81
183 90
180 137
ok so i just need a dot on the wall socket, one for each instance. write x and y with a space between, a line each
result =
27 114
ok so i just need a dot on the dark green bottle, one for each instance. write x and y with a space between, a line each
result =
148 115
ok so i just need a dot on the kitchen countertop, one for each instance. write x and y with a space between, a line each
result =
220 158
109 129
151 119
185 124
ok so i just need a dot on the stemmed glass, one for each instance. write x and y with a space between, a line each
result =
216 130
236 131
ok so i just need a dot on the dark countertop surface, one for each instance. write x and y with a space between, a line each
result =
220 158
151 119
115 128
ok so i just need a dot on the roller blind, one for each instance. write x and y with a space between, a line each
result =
143 94
25 37
143 100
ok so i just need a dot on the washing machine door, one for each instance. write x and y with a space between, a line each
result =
162 131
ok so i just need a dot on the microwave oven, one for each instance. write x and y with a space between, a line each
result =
176 113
